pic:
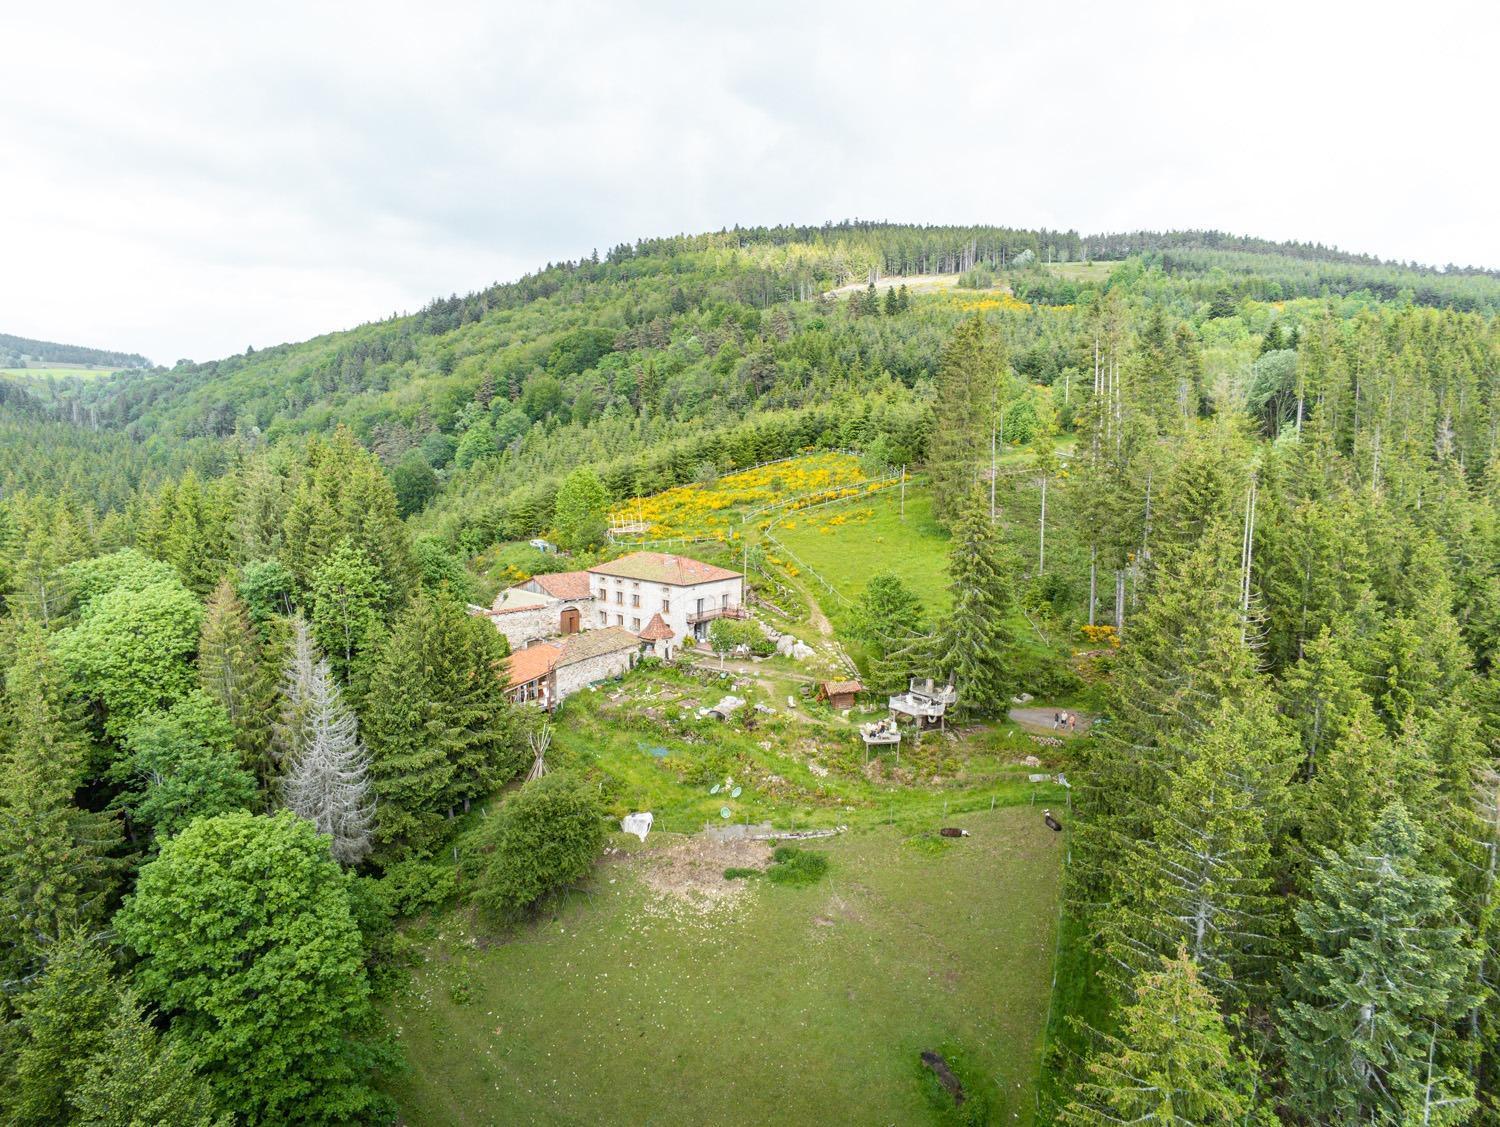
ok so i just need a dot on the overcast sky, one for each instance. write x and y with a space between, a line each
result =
183 182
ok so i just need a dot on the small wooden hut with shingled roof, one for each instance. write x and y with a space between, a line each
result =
839 694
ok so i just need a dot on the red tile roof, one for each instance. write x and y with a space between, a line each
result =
531 663
564 584
658 567
656 630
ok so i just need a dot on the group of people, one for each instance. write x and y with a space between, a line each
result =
1065 721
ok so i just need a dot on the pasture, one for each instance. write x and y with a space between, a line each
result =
849 543
651 1000
57 372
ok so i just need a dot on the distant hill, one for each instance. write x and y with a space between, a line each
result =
21 352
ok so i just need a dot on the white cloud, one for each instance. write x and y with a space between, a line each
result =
184 182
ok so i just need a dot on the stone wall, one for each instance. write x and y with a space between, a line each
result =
580 674
523 626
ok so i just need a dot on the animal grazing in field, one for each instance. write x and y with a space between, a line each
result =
944 1075
1052 823
950 831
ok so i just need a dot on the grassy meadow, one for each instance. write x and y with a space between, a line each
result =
805 1005
849 543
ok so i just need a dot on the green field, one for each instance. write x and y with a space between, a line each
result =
848 554
58 373
1081 271
795 1005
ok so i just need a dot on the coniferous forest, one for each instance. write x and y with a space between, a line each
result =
251 732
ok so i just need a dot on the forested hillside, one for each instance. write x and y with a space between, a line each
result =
1250 506
17 352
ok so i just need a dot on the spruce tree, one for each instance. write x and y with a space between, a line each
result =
61 1024
324 766
140 1079
54 865
232 670
973 645
1187 650
1205 878
348 594
438 725
1173 1061
1382 978
968 375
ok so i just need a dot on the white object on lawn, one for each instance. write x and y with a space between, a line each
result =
638 824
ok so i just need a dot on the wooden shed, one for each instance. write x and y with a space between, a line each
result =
839 694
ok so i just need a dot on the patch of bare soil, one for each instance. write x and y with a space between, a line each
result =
685 878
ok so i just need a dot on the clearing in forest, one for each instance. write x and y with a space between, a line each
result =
778 1005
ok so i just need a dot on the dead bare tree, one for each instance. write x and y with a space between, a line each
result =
326 778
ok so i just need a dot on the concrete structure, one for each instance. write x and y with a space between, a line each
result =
924 702
547 673
686 594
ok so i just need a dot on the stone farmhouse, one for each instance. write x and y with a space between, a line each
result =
635 591
659 602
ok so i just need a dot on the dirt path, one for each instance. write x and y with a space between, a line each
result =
1040 720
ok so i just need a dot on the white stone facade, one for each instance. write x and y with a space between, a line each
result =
688 610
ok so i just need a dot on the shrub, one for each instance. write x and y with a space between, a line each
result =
977 278
416 886
544 838
797 866
735 873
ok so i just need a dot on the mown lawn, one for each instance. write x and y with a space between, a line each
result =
805 1005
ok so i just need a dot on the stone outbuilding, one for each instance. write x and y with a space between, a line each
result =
544 606
547 673
657 637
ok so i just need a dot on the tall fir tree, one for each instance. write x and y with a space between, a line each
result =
61 1024
437 722
968 379
1383 977
974 643
325 768
1172 1062
348 594
54 858
1205 880
232 669
138 1078
1187 651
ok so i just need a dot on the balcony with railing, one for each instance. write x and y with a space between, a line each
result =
708 614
